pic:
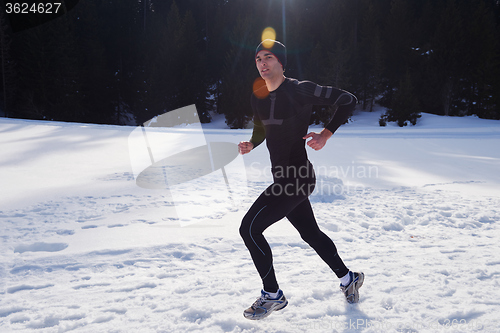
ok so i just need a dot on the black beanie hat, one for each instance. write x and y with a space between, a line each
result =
276 48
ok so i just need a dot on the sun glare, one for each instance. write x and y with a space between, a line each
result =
268 33
258 88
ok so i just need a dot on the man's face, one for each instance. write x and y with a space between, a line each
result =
268 65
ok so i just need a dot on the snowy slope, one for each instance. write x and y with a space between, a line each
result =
84 249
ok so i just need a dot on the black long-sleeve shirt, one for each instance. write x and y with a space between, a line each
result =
282 118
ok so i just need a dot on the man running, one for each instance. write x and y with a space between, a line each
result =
282 110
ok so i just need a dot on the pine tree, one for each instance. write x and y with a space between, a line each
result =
405 106
94 46
216 44
425 76
163 61
371 53
7 68
239 69
479 74
193 77
398 39
448 50
48 72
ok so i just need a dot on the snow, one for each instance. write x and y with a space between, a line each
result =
84 249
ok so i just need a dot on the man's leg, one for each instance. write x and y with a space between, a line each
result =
270 207
302 218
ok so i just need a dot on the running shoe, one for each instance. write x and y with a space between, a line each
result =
351 290
265 305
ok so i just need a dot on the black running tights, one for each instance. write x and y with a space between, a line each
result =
286 198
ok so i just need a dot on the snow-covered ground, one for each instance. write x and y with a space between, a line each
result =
84 249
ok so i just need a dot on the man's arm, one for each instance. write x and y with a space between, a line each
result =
318 140
346 104
314 94
244 147
258 134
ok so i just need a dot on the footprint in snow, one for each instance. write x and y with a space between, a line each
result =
89 227
15 289
40 247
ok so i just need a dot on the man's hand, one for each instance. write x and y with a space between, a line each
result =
318 140
244 147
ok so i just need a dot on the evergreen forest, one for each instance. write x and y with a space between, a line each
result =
126 61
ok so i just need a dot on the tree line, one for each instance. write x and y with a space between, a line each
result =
124 62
